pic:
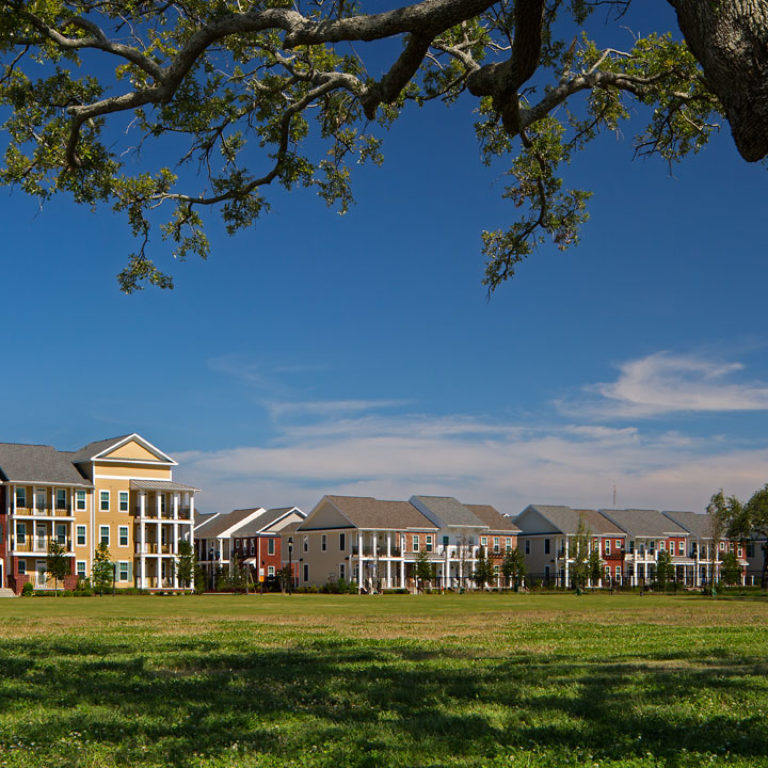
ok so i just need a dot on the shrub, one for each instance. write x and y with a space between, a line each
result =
28 589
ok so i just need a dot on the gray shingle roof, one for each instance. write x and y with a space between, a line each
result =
264 520
210 529
699 524
447 510
493 518
372 514
38 464
567 520
648 523
167 486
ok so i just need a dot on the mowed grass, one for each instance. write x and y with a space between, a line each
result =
311 680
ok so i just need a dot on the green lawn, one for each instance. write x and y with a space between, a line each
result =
311 680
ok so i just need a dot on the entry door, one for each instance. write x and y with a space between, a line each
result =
40 573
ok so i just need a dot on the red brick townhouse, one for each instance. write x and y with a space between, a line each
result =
547 539
251 535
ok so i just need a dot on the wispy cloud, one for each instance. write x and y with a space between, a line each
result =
665 383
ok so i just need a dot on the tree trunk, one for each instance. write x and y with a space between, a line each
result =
729 38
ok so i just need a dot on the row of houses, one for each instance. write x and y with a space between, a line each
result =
120 493
378 543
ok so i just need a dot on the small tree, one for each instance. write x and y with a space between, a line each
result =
580 555
285 577
664 568
423 569
57 564
483 569
186 564
594 565
731 570
513 567
103 569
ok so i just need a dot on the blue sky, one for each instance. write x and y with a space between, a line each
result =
323 354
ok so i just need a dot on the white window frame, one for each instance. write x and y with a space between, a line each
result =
120 530
81 501
103 528
123 497
123 569
80 569
428 544
484 541
57 495
21 533
662 545
61 538
415 542
81 532
607 546
21 567
104 495
270 546
21 492
681 548
270 570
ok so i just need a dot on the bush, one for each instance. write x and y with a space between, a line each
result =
28 589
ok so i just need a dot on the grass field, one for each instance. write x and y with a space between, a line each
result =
336 681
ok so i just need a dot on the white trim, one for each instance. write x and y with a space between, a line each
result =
128 477
127 439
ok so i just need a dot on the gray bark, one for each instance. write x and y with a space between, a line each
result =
729 38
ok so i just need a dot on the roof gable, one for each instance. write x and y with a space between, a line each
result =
38 464
445 511
127 448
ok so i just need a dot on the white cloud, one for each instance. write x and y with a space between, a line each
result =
663 383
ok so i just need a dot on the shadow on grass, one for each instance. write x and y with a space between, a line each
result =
158 701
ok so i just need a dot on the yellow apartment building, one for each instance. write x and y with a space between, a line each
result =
119 491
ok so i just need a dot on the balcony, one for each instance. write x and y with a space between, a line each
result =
39 546
43 512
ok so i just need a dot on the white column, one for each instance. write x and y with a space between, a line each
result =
359 561
389 560
566 562
143 535
402 569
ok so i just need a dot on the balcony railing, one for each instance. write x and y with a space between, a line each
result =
43 511
38 545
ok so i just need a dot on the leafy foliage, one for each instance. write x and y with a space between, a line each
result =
186 564
57 564
244 96
513 567
664 569
483 573
102 574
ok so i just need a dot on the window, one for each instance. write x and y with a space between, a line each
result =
415 541
483 541
80 501
608 572
123 571
607 546
237 543
446 539
508 543
80 569
123 501
741 552
21 534
104 501
342 571
306 543
681 548
123 535
342 542
651 546
22 567
270 570
546 547
61 498
104 534
61 533
662 546
722 546
161 503
21 497
80 534
306 571
253 547
618 572
42 532
732 546
429 543
528 546
270 546
41 498
631 546
617 543
323 542
496 541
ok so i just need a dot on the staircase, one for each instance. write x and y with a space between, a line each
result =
5 592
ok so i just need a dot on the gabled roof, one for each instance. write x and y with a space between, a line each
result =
447 511
165 486
372 514
98 448
696 523
38 464
646 523
266 519
493 518
566 520
225 522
